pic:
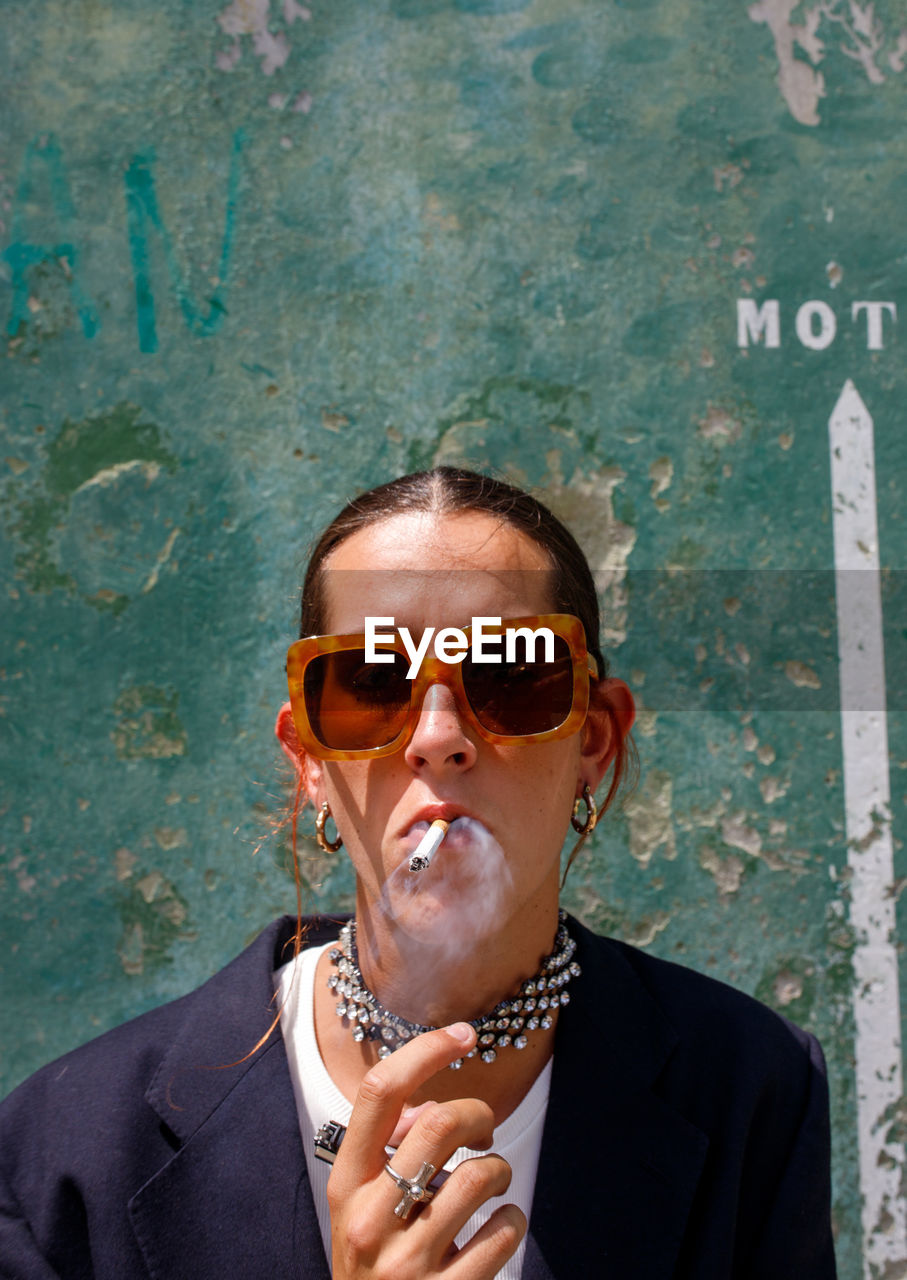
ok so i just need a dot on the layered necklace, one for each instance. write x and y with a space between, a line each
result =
531 1009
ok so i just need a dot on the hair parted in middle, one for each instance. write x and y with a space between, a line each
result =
448 490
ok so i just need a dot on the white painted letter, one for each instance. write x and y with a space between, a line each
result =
451 644
874 312
753 321
372 638
415 654
480 640
827 322
530 637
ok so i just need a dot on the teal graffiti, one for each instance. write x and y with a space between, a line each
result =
143 215
23 255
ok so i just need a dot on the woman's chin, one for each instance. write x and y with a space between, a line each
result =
433 916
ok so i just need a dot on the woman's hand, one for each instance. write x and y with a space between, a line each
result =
368 1239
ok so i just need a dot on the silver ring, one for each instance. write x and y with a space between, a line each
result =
415 1190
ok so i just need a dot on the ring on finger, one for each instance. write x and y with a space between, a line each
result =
415 1190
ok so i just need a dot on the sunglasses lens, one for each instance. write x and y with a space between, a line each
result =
354 705
523 697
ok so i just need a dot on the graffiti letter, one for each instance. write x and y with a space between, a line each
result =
24 254
142 213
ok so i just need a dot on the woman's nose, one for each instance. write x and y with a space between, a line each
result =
440 740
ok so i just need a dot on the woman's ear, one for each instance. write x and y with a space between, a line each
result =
308 769
610 719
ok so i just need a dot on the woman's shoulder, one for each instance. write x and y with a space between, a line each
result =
704 1017
210 1025
749 1085
712 1108
107 1150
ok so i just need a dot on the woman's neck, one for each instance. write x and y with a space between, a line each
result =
425 987
452 975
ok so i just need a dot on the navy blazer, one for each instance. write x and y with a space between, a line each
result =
686 1136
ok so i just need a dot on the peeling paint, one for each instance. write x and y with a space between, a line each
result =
149 886
108 476
253 18
435 217
736 833
131 950
148 726
648 928
792 861
661 473
727 871
801 86
170 837
719 425
787 987
730 174
153 915
697 817
789 984
773 789
646 723
855 32
331 420
650 819
123 862
24 879
800 674
586 502
163 557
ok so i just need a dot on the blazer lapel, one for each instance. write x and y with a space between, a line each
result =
534 1265
618 1165
234 1200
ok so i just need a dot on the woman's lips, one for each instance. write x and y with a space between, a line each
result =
462 830
431 812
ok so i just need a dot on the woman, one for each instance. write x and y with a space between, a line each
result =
644 1120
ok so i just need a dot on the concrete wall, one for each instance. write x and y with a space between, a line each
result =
645 255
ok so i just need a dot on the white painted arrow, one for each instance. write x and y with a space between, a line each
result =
867 796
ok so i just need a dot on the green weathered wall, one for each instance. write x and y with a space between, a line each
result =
256 257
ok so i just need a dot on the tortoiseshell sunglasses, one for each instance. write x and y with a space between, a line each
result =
346 708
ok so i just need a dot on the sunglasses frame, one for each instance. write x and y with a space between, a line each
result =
436 670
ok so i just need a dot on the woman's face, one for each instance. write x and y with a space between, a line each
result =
511 804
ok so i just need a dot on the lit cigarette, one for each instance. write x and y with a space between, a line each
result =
428 846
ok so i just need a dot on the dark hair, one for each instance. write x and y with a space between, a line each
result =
445 490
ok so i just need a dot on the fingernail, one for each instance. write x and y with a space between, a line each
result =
461 1031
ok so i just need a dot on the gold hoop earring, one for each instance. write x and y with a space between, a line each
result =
588 799
329 846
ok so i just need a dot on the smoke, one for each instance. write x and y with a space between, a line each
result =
449 908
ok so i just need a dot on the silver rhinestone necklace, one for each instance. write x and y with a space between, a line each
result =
531 1009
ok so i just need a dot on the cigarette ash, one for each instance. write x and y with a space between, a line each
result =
429 845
